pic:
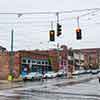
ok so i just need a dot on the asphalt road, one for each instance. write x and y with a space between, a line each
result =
89 90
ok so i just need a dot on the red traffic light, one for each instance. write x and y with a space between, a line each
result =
78 30
78 34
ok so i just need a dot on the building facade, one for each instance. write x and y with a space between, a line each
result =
92 57
40 61
43 61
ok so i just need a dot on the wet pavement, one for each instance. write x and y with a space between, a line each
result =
88 90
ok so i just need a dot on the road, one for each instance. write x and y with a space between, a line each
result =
89 90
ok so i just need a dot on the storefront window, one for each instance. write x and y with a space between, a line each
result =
28 61
24 61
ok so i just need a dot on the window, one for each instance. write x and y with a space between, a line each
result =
33 61
28 61
24 61
46 62
70 62
42 62
38 62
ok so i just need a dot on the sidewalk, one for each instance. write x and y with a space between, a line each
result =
5 84
14 80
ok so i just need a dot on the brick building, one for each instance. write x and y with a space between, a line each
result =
47 60
92 57
32 61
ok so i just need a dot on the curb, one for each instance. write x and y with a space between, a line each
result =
13 81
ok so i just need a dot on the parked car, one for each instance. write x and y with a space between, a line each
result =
50 74
38 76
78 72
98 69
94 71
29 76
33 76
61 73
88 71
75 72
23 75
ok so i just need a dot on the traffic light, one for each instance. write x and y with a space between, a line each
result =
78 34
52 35
59 30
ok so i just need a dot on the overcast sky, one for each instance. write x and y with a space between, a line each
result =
31 31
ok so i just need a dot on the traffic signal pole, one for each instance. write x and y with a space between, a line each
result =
10 76
57 14
58 52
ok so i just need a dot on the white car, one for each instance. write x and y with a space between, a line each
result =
38 76
78 72
60 73
50 74
88 71
75 72
33 76
94 71
29 76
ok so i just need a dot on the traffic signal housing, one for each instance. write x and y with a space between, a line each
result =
52 35
59 29
78 34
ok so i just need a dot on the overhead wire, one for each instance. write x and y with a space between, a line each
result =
89 11
49 12
30 22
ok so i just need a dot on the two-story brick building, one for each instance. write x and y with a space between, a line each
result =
32 61
92 57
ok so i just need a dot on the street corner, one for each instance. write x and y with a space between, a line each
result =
4 81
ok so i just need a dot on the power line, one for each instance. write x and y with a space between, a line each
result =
52 12
31 22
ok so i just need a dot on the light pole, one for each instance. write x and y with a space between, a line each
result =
10 76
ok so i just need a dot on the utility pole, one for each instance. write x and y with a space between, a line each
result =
58 59
10 77
79 58
98 58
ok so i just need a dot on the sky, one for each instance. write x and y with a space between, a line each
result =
31 31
